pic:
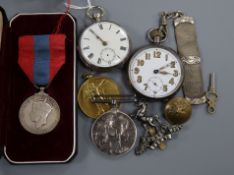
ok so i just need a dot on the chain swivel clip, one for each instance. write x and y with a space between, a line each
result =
158 35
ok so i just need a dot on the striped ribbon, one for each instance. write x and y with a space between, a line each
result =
41 57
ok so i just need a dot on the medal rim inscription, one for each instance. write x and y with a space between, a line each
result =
115 111
82 87
28 101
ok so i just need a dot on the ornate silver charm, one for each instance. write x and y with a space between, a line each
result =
114 132
39 114
157 132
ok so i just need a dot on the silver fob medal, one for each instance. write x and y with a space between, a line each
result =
114 132
39 114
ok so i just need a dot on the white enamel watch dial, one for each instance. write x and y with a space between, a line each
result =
104 45
156 72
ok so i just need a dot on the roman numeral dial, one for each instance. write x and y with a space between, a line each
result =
104 45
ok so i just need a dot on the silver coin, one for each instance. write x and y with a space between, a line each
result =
114 132
39 114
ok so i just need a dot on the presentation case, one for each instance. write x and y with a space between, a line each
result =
17 145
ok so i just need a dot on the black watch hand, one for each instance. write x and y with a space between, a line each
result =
104 43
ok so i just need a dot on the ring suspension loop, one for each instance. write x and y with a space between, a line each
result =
158 35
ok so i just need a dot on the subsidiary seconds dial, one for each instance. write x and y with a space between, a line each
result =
104 45
156 72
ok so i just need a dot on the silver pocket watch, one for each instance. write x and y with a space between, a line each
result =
103 45
156 71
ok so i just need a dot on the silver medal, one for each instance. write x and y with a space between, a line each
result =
114 132
39 114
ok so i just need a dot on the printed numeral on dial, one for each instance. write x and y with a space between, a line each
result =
171 81
165 88
176 73
146 86
173 64
136 70
139 79
157 54
147 56
140 62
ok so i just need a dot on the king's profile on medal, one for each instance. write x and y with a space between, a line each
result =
39 113
40 58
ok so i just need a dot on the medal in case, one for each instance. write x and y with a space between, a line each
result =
39 114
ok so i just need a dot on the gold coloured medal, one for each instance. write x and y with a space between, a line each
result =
94 86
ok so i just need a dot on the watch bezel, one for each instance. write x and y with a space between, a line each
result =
172 93
99 68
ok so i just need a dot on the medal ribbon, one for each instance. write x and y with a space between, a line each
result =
41 57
